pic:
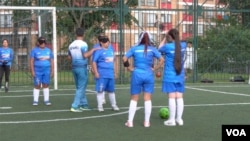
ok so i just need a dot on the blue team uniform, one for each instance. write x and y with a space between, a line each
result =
42 58
142 78
171 81
6 54
79 69
104 59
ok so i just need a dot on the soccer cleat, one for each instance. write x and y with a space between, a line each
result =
35 103
169 123
85 108
72 109
129 124
180 122
47 103
100 109
115 108
146 124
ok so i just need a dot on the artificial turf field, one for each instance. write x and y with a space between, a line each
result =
207 108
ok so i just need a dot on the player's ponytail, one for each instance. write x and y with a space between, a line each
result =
177 56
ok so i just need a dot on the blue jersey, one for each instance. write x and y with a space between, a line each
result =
143 62
104 59
169 71
6 54
76 51
41 57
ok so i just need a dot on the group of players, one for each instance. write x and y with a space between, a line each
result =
143 54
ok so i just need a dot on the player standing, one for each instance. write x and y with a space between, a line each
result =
6 57
174 75
142 78
105 73
42 68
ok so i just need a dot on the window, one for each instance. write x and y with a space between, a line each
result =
200 29
187 28
115 38
147 2
150 19
209 14
5 20
166 18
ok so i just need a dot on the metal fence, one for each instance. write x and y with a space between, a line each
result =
217 32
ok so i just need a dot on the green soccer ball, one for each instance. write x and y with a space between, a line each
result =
164 113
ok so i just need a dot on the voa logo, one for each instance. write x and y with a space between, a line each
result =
236 132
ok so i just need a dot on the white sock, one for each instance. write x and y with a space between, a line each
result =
147 110
132 110
46 94
99 98
180 108
112 99
36 94
103 95
172 108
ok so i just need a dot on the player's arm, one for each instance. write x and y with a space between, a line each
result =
90 52
160 63
32 67
127 64
162 42
94 65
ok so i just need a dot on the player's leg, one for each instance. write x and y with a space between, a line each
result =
100 87
1 75
135 90
180 103
111 92
7 75
36 90
169 89
83 99
45 85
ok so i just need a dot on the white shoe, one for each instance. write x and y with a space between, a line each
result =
179 122
100 109
129 124
115 108
169 123
146 124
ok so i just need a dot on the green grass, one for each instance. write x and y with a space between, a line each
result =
207 107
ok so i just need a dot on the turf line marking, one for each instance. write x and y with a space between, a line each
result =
212 91
65 119
5 107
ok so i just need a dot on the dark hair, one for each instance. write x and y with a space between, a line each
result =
174 33
103 38
41 40
146 41
79 32
5 40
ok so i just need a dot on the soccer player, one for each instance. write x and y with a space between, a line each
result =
104 69
42 68
78 55
173 82
142 78
6 57
101 35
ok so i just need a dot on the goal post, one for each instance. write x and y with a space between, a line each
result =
9 29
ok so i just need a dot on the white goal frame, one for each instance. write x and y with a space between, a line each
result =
54 40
